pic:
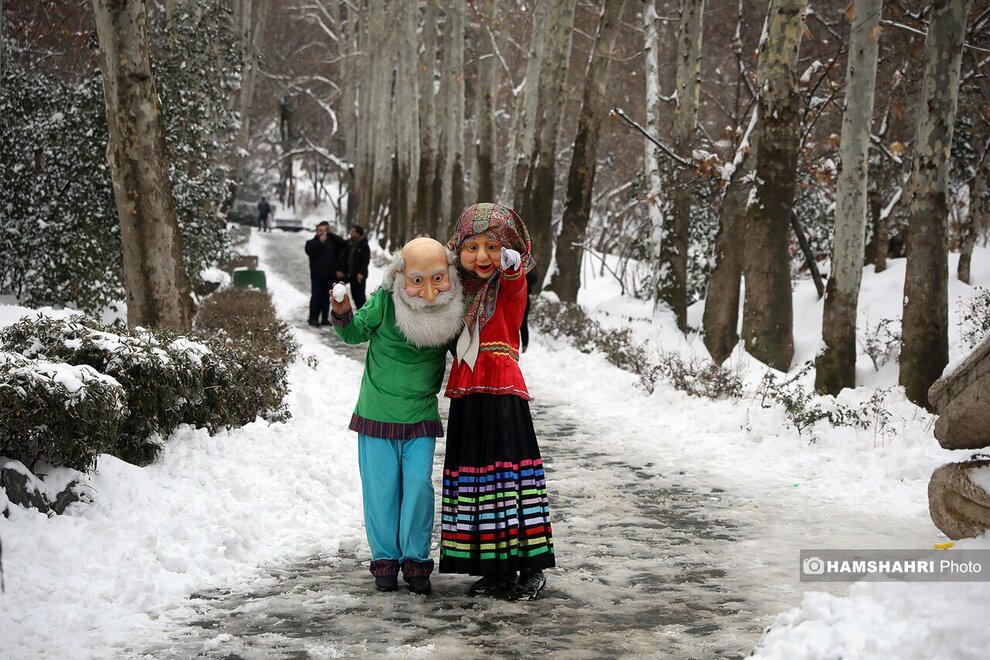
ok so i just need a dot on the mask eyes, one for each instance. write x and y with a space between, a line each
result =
416 280
439 278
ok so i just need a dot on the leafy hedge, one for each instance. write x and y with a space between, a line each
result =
132 387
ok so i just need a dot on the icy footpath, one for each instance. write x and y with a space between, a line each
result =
205 514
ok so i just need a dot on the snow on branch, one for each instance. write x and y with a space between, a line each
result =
620 113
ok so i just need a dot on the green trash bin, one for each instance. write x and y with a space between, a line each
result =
248 277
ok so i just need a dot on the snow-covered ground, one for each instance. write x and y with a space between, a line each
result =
212 509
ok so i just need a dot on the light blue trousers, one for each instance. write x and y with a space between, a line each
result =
397 488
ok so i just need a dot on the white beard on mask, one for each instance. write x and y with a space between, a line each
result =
427 324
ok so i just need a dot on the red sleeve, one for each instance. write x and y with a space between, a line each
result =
513 284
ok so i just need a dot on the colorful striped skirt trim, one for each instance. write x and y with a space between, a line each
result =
495 515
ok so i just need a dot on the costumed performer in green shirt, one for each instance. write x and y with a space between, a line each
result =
410 323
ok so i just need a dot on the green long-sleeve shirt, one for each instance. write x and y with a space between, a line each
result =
398 397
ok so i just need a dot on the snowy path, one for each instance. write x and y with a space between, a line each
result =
653 561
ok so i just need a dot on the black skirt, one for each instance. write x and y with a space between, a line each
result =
495 516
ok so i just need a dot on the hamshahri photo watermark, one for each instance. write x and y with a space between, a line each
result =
834 565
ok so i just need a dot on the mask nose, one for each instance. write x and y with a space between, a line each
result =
429 292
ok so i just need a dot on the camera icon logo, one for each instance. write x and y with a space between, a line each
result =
812 566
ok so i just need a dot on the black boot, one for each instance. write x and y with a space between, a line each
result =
491 585
386 582
419 584
529 585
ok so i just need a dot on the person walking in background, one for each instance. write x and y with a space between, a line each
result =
264 211
495 520
325 251
358 256
532 277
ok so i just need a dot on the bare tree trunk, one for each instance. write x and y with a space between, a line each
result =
581 177
526 120
672 269
287 134
537 209
768 308
976 223
651 47
155 277
486 102
925 324
405 108
835 366
721 317
453 172
251 20
424 220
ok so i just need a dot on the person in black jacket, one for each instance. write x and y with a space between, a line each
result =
358 255
325 251
264 210
531 277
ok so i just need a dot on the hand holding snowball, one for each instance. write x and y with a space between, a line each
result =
340 303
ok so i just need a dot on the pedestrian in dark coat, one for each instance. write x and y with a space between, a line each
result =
358 256
326 253
264 210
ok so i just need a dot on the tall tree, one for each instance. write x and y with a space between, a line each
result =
251 18
537 208
525 121
925 323
486 102
651 52
155 278
721 316
767 307
672 271
835 366
452 197
581 176
424 217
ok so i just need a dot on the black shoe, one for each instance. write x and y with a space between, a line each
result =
386 582
419 584
312 322
529 586
490 585
325 322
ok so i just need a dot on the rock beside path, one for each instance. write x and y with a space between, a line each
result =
958 506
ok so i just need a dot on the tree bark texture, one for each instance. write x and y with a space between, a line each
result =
155 278
651 52
925 324
976 223
486 105
721 316
768 308
581 176
672 269
453 159
405 110
251 17
526 121
537 211
835 366
424 217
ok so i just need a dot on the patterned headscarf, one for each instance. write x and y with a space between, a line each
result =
504 225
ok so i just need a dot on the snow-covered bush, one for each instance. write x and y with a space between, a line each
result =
165 379
882 342
804 408
697 378
974 317
160 383
59 413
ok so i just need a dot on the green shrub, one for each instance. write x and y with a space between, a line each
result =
157 380
224 379
62 414
242 327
